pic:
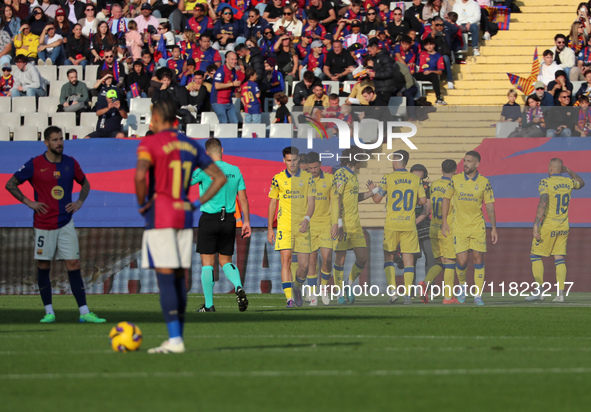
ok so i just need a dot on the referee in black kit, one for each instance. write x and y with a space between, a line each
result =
217 226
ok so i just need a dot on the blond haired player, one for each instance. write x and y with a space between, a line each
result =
294 190
443 247
404 190
468 191
551 225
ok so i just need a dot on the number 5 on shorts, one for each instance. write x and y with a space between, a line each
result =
40 241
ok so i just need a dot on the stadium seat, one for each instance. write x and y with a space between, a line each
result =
138 130
4 133
55 87
63 70
12 120
25 133
302 131
79 131
24 104
423 86
5 104
254 128
38 120
90 72
577 86
504 129
198 131
140 105
348 85
49 73
225 130
88 119
368 130
48 104
289 103
63 120
210 119
268 104
397 106
281 130
333 86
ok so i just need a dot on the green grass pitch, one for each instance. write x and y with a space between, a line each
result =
369 356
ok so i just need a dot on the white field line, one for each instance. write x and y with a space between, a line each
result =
308 373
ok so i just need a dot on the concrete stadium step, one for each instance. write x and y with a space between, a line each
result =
437 119
480 92
518 68
494 84
546 42
501 75
475 100
515 59
555 3
549 26
526 34
509 52
452 132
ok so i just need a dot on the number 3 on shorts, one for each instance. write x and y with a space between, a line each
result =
40 241
280 235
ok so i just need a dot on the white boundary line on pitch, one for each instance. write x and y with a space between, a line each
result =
275 374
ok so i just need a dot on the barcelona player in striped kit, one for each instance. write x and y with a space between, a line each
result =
169 158
52 176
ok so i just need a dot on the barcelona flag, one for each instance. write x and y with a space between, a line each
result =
135 90
161 52
526 84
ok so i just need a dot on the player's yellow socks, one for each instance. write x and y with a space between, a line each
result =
560 273
537 268
479 277
293 268
448 280
461 272
390 271
409 277
433 273
324 278
355 272
287 289
338 275
312 282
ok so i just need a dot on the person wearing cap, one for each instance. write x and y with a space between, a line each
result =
5 48
546 99
273 82
327 42
27 80
355 37
386 15
77 48
314 61
252 57
137 82
145 19
26 43
75 10
7 80
559 84
110 113
199 23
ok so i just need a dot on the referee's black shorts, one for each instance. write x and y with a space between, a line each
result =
215 236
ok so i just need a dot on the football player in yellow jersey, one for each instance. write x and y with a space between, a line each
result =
404 190
443 247
468 191
294 190
551 225
347 230
325 213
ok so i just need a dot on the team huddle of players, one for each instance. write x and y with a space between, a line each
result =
319 212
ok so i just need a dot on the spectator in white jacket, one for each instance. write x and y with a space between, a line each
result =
469 21
564 56
27 80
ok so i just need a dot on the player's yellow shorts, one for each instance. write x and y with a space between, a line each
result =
470 241
408 241
296 241
551 243
320 233
442 246
351 239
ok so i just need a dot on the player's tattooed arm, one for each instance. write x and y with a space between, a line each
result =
84 191
13 187
542 205
490 211
574 176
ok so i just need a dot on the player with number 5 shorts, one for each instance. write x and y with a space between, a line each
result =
551 225
468 191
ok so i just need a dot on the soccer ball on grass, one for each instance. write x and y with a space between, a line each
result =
125 337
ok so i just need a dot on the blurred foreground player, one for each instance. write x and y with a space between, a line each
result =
551 225
467 192
170 157
52 176
217 225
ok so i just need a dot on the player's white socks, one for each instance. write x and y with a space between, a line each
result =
176 341
83 310
49 310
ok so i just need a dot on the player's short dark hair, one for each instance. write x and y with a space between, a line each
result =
165 74
405 156
241 46
453 16
51 130
367 89
583 98
199 73
176 46
249 72
255 11
213 145
474 154
71 71
165 110
290 150
303 158
309 76
559 36
281 98
313 157
429 40
548 52
406 39
146 52
211 67
333 96
449 166
204 35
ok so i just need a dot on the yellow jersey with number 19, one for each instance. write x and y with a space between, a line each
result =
346 185
438 189
559 189
293 192
403 189
468 195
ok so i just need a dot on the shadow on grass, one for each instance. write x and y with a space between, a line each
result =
288 346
